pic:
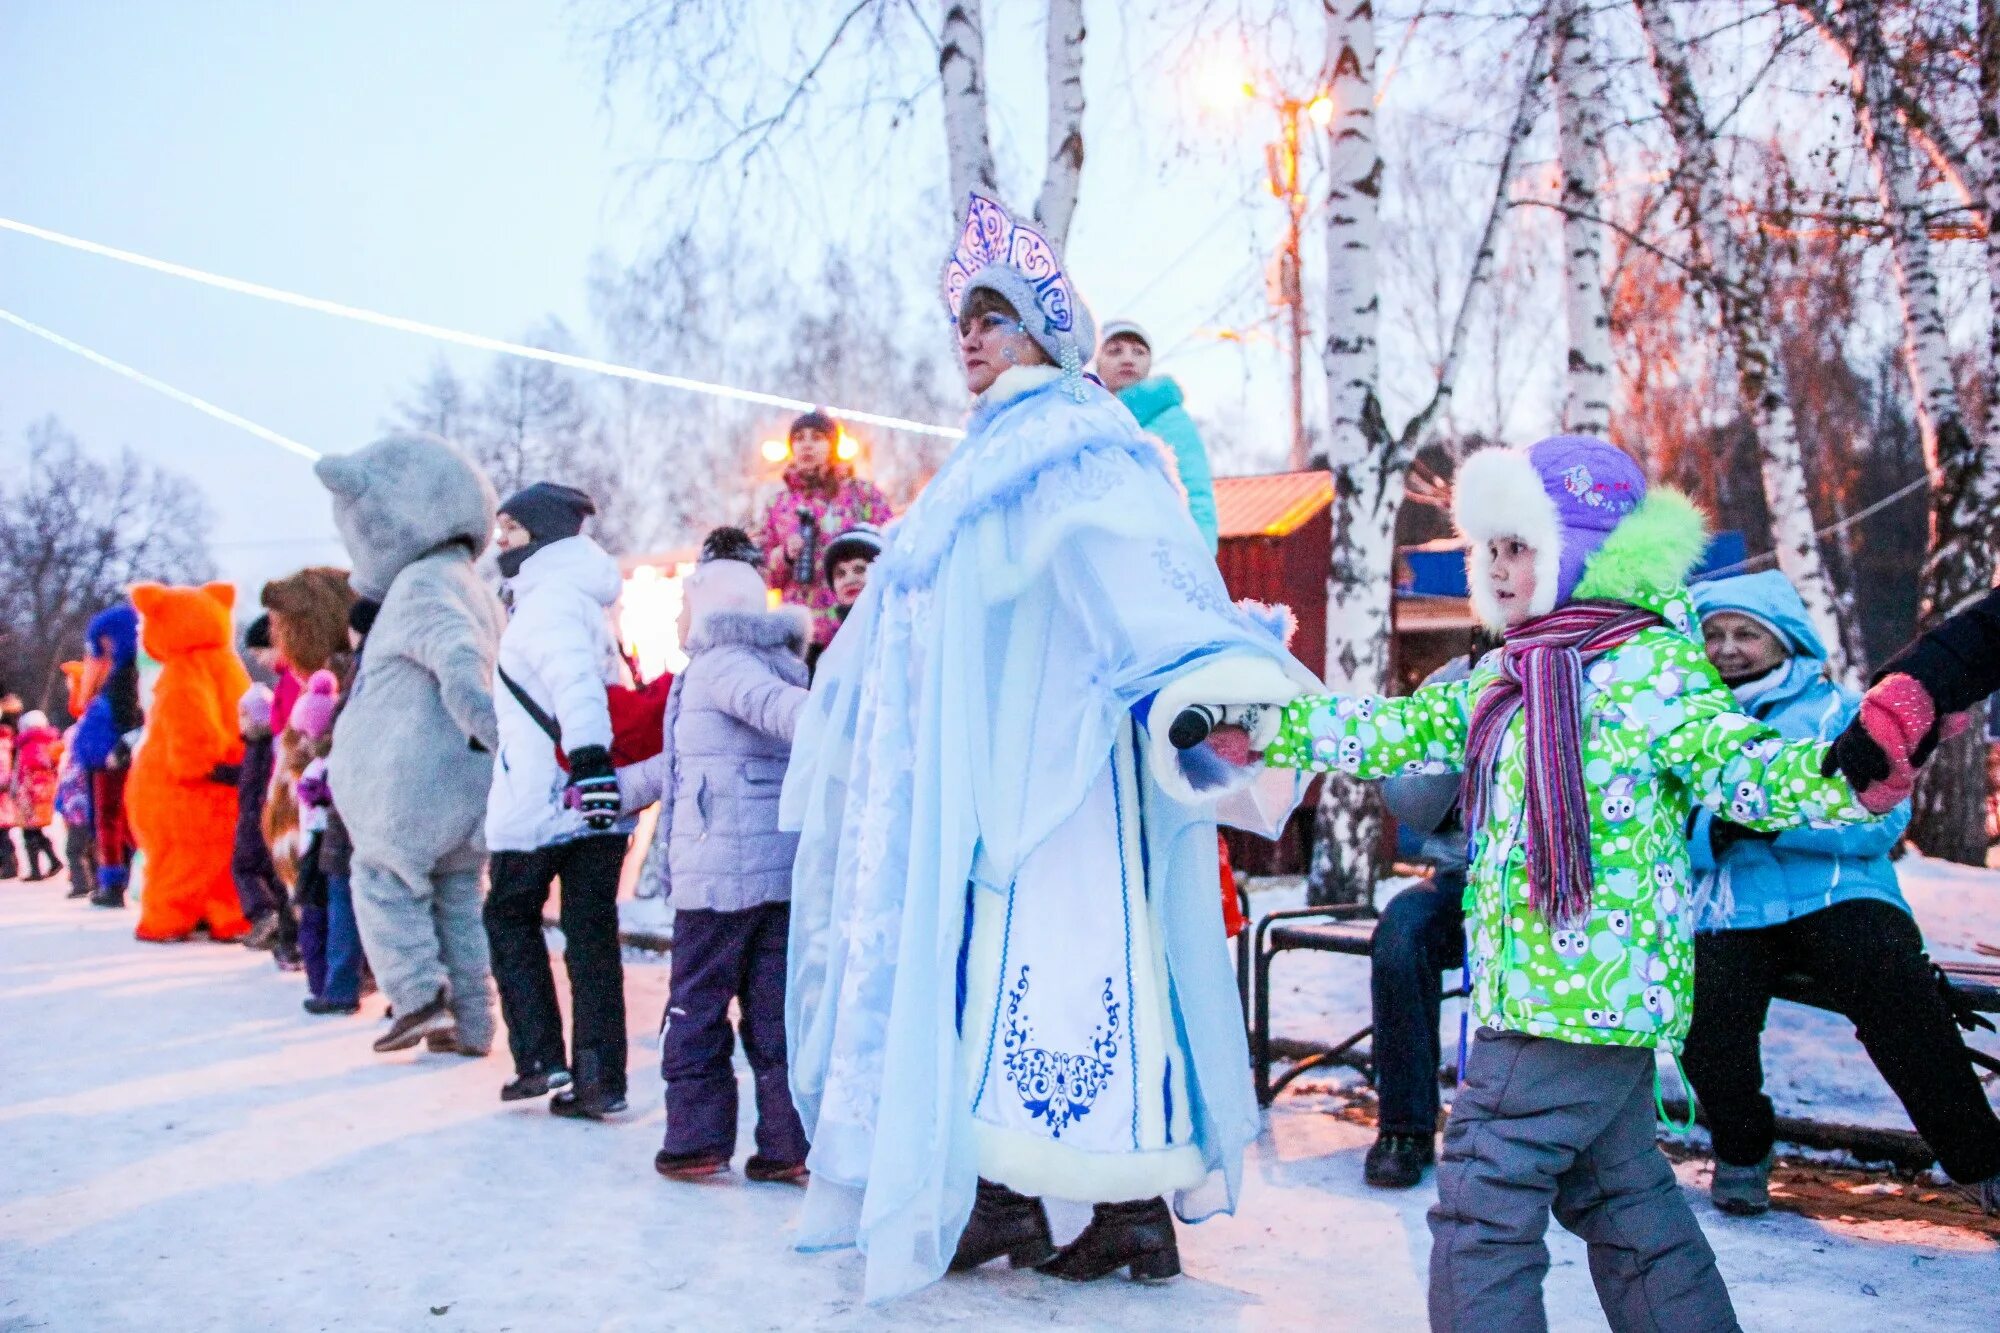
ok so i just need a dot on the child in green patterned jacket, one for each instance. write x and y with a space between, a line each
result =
1586 742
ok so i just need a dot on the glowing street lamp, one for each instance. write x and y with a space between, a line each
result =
775 450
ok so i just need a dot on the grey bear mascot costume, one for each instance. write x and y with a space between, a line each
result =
412 751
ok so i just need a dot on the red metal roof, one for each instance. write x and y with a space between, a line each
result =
1270 506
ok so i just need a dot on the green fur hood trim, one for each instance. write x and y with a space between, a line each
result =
1647 558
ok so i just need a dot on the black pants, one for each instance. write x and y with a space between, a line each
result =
39 849
1421 933
719 957
588 868
1868 958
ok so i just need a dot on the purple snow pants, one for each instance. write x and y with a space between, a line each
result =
720 956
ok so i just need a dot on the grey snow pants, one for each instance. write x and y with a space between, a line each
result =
423 934
1543 1126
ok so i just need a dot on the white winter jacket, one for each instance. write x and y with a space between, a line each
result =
558 646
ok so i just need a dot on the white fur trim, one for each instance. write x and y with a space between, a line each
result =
1497 494
1015 381
1050 1168
1229 678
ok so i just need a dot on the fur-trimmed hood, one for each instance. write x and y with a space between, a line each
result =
1644 558
788 627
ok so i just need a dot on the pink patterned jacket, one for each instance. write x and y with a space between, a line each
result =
819 506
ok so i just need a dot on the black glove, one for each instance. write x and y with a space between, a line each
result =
595 783
1724 834
1855 756
226 774
1961 1008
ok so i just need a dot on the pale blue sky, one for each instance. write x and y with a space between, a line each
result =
453 162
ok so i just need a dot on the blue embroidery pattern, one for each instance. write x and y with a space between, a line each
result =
1057 1086
1203 594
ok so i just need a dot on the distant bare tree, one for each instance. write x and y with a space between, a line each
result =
531 421
74 534
706 68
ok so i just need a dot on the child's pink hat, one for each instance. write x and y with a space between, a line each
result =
312 715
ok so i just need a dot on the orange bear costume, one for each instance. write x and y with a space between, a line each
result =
184 818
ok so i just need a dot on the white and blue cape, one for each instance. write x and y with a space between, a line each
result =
1007 955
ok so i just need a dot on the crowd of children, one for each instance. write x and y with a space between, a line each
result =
936 813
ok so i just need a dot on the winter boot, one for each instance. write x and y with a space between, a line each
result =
1004 1222
263 932
1986 1194
417 1024
771 1171
10 862
314 1005
1136 1236
450 1043
690 1165
535 1083
110 887
1742 1191
593 1095
1397 1161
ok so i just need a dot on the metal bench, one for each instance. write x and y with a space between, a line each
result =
1350 929
1345 929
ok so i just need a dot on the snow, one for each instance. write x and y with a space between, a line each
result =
1814 1067
185 1149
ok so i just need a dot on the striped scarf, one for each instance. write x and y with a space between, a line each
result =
1541 672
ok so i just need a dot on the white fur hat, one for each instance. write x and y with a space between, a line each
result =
719 586
1561 497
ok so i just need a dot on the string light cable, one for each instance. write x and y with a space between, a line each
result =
1770 557
478 341
181 396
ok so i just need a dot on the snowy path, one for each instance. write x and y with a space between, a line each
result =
184 1149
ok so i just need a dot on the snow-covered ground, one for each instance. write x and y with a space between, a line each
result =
182 1148
1814 1067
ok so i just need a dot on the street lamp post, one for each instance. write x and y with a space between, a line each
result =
1282 160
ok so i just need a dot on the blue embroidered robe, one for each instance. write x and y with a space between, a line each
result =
977 704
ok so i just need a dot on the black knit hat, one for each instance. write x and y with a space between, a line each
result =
862 541
549 510
814 420
730 544
258 633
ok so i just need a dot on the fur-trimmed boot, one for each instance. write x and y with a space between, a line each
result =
1136 1236
1004 1222
111 882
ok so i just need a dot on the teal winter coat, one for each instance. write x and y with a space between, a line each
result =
1156 402
1803 870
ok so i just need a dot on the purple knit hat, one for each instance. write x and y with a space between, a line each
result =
1562 496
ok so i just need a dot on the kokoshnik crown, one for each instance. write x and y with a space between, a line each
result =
1015 261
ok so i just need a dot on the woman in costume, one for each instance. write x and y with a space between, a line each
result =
1008 972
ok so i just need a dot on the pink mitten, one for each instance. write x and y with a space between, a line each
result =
1231 744
1897 714
1884 796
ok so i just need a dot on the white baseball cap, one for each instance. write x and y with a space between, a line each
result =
1124 328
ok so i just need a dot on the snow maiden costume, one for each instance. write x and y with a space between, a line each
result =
1586 742
1007 966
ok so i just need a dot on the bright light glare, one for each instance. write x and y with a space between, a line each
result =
1321 110
1223 83
649 617
776 451
847 448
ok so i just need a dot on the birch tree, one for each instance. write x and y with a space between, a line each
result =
708 68
1744 308
1370 464
1580 92
1062 172
1965 479
968 144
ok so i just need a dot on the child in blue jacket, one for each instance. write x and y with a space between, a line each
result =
1824 902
